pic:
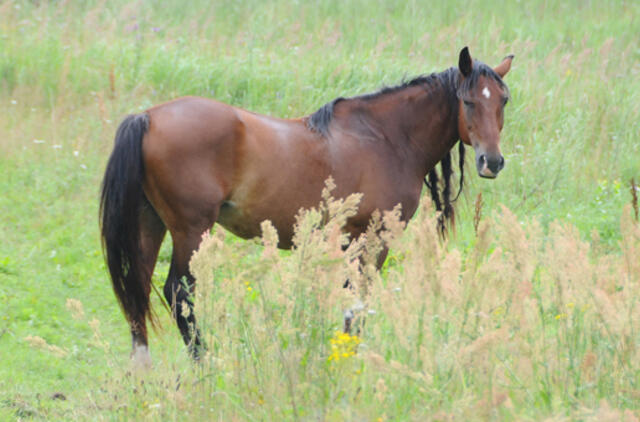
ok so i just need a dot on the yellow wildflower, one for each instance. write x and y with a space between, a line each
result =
343 346
498 311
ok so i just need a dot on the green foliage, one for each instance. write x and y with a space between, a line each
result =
69 71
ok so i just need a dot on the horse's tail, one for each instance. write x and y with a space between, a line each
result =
120 202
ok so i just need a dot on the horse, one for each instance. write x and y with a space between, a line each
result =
187 164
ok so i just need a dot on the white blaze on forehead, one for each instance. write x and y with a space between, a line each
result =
486 93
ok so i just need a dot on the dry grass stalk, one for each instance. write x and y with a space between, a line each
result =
497 315
75 307
634 198
112 82
40 343
477 214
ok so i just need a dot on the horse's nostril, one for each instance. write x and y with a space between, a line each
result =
501 161
482 159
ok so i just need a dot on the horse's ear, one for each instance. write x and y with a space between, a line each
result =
465 64
503 68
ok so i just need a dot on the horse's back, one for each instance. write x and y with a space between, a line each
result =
203 158
192 119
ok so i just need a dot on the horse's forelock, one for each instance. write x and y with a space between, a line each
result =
464 85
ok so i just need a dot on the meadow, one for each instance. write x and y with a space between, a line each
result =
528 312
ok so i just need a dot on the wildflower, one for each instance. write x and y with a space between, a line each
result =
561 316
343 346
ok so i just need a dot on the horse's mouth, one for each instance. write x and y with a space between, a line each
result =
485 173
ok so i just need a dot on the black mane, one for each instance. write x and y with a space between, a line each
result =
319 121
449 79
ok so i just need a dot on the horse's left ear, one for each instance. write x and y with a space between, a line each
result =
503 68
465 64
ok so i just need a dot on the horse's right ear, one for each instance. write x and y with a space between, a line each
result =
503 68
465 64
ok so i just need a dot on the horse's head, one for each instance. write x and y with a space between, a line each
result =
482 97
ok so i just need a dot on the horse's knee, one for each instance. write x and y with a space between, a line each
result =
174 292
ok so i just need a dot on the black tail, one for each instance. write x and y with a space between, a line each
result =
120 203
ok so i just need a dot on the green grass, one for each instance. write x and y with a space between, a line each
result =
69 73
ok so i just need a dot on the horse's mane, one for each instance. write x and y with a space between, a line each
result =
320 120
450 80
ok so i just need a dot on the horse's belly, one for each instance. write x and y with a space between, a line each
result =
246 224
233 219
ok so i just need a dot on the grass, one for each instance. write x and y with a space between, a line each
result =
70 71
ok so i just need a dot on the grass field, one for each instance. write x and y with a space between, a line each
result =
531 314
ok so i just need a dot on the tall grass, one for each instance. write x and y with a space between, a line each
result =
523 326
69 71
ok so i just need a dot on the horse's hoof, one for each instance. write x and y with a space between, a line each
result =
141 358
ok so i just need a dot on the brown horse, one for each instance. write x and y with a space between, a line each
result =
189 163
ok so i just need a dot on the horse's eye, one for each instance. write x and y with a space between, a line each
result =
468 104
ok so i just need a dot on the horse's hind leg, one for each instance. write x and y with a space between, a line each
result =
180 285
152 232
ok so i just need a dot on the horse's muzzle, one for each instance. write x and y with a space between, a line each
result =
489 165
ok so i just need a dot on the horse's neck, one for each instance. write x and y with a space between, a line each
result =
422 122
